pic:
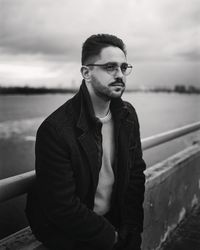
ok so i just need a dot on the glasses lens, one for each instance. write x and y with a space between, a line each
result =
126 69
111 67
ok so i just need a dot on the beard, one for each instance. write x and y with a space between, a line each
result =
107 92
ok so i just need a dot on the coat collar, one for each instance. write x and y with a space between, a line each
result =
87 118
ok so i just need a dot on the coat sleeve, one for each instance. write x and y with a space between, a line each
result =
57 191
134 212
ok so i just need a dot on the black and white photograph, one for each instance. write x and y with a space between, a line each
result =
99 125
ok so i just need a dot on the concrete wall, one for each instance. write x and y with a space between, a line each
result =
172 189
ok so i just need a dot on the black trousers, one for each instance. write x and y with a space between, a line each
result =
54 239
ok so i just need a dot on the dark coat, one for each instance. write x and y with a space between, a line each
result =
68 161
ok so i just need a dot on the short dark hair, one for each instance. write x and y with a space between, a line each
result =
94 44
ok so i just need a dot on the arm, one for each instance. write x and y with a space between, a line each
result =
57 191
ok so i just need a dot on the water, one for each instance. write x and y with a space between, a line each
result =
21 115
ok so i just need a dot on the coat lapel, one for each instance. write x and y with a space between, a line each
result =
89 146
126 142
86 123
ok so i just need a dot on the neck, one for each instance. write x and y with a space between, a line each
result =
101 106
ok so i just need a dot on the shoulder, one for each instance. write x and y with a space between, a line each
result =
131 110
129 106
61 118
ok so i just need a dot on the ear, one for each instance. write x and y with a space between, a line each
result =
85 72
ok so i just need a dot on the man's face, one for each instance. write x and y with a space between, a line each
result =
106 84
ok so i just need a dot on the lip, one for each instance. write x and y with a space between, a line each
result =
118 85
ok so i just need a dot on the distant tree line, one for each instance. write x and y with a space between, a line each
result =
31 90
42 90
182 89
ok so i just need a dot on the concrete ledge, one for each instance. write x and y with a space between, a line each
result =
21 240
172 189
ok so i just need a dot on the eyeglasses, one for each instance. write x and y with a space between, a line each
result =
112 68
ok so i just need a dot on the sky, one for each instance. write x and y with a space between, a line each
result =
41 40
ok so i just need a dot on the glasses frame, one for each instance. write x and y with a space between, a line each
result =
115 70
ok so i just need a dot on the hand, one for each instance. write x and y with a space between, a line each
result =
118 244
116 237
128 239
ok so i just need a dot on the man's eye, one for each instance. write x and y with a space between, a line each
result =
124 67
110 67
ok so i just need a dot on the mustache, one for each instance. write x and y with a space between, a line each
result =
118 80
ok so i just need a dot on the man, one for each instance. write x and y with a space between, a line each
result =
89 187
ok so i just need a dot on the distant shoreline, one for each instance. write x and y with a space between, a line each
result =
181 89
34 91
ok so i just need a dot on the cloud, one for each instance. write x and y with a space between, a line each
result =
50 33
59 28
29 27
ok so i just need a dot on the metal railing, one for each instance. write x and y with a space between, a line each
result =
19 184
158 139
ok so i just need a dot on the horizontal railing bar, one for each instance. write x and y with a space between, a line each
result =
17 185
156 140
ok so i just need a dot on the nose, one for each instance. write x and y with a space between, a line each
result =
119 73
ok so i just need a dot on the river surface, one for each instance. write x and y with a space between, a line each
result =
21 115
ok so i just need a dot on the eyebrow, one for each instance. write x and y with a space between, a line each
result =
112 62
